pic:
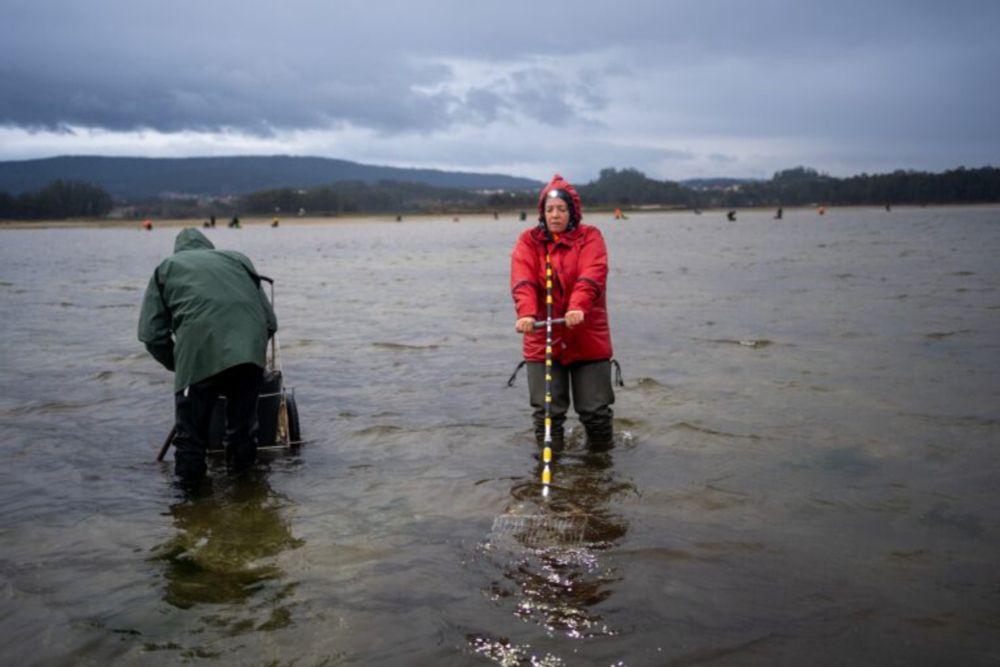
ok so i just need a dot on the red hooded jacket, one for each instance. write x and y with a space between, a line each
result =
579 282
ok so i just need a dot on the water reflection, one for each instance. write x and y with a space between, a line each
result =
550 550
224 552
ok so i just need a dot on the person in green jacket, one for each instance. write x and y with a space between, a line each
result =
206 317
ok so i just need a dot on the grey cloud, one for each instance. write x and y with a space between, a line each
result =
170 96
253 65
483 105
550 97
541 95
536 93
387 94
892 75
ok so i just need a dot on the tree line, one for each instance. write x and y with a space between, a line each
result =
630 188
625 188
58 200
350 197
803 186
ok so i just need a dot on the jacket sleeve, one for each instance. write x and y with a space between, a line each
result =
593 277
524 280
155 325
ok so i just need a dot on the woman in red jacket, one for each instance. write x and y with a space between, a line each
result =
581 349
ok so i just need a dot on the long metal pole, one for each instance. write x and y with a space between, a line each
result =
547 444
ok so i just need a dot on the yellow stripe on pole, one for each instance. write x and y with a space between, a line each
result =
547 454
546 475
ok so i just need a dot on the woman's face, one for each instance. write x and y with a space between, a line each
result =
556 215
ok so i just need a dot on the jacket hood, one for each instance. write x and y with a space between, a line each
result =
192 239
569 192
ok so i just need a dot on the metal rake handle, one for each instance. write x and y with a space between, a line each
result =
558 320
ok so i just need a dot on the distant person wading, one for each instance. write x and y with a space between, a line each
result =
205 317
582 347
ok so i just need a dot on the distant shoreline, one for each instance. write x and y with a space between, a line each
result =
180 223
375 218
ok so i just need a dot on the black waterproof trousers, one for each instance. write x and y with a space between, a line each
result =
241 387
590 385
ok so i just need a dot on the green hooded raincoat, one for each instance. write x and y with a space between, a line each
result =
205 311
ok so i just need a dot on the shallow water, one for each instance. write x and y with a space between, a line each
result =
805 470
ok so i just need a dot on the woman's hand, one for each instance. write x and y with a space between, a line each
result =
525 325
574 317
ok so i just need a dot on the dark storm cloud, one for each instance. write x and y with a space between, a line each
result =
173 90
255 68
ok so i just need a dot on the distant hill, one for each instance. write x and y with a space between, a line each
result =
129 178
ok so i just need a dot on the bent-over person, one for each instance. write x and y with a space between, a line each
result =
206 317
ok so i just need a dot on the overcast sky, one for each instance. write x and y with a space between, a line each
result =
677 89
